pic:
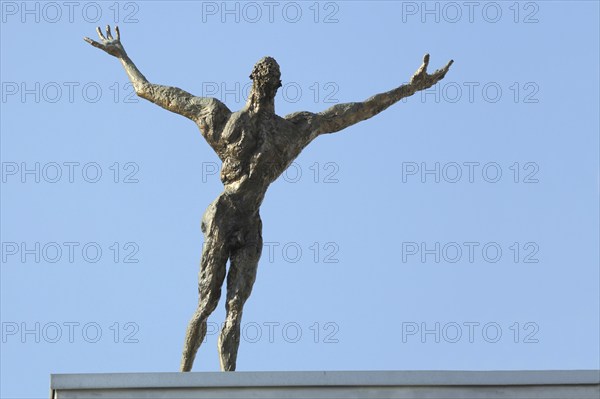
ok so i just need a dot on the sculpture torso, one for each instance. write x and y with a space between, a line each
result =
256 148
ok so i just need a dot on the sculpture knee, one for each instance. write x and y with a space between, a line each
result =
234 307
208 303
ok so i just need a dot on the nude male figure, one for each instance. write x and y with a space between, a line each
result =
256 146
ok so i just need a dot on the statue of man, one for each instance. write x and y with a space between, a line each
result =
256 146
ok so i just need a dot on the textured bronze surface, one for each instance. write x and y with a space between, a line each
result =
256 146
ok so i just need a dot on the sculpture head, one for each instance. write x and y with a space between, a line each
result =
266 78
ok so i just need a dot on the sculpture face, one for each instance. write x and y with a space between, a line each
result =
266 77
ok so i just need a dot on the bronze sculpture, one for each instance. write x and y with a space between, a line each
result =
256 146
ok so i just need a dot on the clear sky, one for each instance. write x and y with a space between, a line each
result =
456 230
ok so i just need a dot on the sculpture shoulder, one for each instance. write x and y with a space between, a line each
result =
211 117
211 107
306 122
300 117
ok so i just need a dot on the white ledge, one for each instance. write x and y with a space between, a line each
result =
332 384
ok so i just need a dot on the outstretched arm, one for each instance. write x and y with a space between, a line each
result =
171 98
341 116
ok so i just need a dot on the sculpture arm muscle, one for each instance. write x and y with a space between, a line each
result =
341 116
173 99
170 98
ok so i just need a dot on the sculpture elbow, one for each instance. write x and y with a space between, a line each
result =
142 89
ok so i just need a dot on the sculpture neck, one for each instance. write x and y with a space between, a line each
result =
260 100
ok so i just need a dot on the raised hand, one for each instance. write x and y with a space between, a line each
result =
422 80
109 44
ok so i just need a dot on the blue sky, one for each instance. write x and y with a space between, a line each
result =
456 230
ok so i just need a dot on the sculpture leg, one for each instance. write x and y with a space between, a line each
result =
211 277
241 276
